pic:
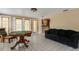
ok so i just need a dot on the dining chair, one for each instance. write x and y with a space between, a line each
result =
4 36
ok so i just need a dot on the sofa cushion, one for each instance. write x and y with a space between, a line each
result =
54 31
61 32
66 33
70 32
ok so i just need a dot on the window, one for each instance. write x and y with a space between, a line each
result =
0 22
18 24
5 23
27 25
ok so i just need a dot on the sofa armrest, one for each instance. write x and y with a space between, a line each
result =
46 32
76 36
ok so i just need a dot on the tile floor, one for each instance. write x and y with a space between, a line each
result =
37 43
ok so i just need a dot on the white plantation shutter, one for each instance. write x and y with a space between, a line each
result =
27 25
0 22
18 24
5 23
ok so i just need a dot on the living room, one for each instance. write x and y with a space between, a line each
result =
38 21
39 29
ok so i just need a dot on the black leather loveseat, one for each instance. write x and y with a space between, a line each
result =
68 37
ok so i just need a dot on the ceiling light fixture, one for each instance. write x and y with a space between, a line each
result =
34 9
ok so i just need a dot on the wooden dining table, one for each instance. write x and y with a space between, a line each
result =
21 35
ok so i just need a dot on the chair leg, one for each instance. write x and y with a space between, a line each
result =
9 41
3 40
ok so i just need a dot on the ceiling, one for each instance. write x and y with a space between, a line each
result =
41 12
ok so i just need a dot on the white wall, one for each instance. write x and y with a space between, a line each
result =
13 21
66 20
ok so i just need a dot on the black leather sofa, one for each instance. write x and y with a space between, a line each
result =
68 37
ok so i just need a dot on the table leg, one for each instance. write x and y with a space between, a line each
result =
25 45
15 45
9 40
22 40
